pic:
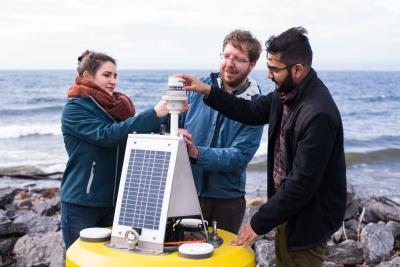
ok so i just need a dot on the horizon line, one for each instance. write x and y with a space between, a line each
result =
204 69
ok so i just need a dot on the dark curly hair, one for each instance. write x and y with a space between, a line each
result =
293 45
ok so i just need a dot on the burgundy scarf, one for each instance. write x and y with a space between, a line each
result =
117 105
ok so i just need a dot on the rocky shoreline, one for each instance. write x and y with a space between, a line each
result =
30 230
370 235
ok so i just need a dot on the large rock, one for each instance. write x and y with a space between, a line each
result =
352 210
337 236
6 196
350 194
40 250
49 207
265 253
351 225
352 203
347 253
395 262
343 234
395 228
380 209
250 211
352 229
378 241
27 222
7 245
23 204
5 224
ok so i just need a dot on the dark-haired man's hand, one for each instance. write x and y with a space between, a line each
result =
246 237
195 85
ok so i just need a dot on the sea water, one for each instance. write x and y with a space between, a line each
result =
369 102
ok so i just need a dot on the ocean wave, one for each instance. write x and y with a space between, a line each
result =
376 156
257 165
31 110
352 158
374 98
28 130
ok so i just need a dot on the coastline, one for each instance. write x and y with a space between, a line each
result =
30 222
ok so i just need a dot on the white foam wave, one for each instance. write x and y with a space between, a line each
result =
21 130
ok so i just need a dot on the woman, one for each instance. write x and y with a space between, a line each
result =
95 123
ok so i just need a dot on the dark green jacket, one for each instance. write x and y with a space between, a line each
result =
95 143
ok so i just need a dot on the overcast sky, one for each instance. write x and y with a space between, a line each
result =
187 34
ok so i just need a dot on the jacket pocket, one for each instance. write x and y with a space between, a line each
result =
89 185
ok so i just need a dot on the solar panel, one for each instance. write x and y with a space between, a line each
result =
156 184
144 189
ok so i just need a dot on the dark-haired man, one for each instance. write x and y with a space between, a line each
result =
306 164
220 148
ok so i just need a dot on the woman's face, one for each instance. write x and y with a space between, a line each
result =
105 76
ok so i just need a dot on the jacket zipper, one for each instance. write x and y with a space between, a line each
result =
116 162
116 174
90 178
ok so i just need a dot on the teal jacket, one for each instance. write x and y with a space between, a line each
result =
225 146
95 144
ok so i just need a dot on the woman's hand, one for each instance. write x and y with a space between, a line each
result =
194 84
161 109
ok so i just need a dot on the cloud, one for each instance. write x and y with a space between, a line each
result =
189 34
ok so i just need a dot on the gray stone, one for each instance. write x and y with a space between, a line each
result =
343 234
395 262
337 236
330 243
49 207
352 229
250 211
351 224
380 209
395 228
5 224
8 261
378 241
23 204
7 196
352 211
29 222
265 253
332 264
350 194
40 250
351 235
10 213
7 245
346 253
370 216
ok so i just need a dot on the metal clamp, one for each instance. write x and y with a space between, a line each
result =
132 238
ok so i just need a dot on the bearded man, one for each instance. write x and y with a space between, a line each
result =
220 148
306 163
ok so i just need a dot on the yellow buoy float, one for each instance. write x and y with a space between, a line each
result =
90 254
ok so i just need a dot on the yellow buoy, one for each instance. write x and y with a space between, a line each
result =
97 254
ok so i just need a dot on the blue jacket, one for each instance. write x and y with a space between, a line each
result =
95 144
225 146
